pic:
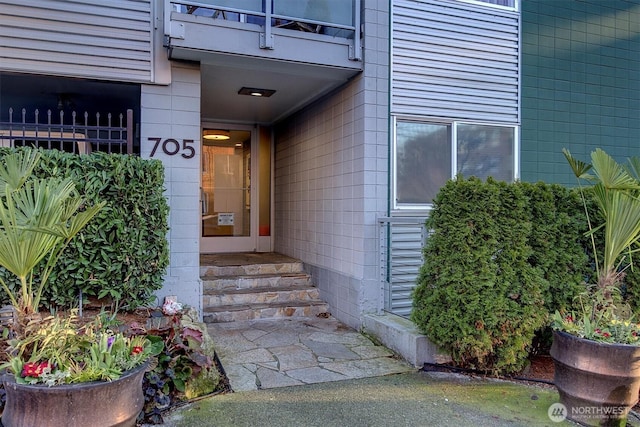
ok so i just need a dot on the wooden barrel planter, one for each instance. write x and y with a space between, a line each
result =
96 404
597 382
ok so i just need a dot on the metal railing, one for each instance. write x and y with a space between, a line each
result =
401 243
72 133
339 19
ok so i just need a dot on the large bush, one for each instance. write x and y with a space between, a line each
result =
558 242
499 257
122 254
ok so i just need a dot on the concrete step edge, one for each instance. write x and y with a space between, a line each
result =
259 306
251 269
259 289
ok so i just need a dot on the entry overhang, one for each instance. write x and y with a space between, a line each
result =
301 67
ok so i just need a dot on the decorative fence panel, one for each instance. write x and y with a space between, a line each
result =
73 133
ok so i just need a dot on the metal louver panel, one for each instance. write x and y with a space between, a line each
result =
455 60
80 38
401 245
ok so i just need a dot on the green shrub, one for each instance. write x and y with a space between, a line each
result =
500 259
123 253
558 250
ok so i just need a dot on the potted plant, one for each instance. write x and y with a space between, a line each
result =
596 349
60 371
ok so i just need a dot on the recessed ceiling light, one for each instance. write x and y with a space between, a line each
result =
254 91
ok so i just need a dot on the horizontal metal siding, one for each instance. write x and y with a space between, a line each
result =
104 40
454 60
404 262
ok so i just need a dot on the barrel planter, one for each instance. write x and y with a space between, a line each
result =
96 404
598 382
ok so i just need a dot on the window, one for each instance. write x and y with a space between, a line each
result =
427 154
507 4
422 150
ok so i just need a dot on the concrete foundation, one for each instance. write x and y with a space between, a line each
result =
401 335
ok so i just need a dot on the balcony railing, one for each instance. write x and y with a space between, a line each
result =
330 17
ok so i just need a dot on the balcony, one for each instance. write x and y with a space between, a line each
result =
301 49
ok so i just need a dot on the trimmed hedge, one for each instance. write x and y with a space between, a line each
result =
500 257
123 253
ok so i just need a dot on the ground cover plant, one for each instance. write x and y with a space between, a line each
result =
184 370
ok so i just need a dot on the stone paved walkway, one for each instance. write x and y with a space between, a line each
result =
270 353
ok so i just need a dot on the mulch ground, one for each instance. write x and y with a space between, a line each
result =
541 368
539 371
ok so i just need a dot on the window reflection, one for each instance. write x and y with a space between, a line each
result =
423 157
423 161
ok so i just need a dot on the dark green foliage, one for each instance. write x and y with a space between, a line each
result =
558 242
631 287
184 370
500 256
122 254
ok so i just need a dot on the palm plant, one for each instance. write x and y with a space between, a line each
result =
38 219
616 193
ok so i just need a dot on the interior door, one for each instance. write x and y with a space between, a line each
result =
227 199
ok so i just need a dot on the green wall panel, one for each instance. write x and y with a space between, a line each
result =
580 83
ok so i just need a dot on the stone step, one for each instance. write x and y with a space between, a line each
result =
257 286
260 296
255 281
264 311
217 271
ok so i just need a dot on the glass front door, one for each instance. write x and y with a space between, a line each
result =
228 223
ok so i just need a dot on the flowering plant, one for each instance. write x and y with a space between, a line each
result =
62 350
600 318
603 315
38 219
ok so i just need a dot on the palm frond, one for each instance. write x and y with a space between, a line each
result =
634 167
611 174
16 168
38 219
580 169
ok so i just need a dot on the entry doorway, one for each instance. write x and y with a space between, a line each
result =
233 182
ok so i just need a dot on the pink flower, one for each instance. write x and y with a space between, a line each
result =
137 350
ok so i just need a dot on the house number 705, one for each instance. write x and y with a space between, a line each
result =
171 147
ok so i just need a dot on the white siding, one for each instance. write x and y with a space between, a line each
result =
80 38
331 175
454 60
173 111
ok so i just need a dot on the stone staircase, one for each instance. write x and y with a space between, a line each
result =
250 286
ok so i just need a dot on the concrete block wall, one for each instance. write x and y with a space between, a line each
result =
173 112
331 180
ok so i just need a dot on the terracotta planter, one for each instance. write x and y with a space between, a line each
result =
95 404
598 383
